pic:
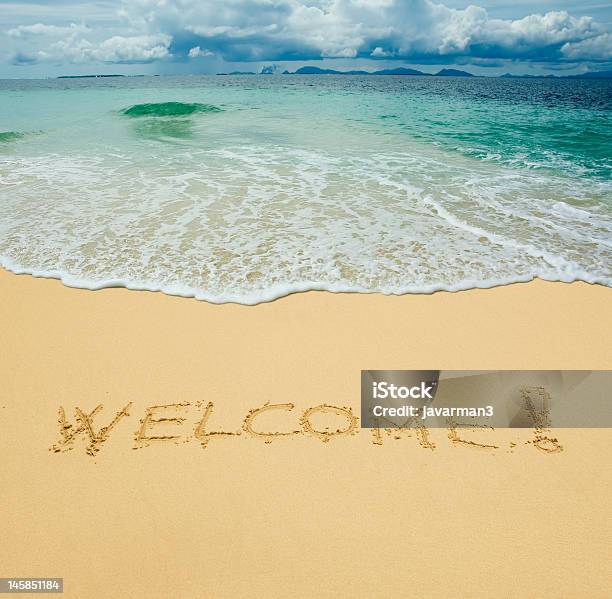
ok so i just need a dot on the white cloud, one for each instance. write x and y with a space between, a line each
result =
596 48
139 48
196 52
40 29
116 49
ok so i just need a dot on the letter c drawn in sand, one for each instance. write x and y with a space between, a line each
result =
268 437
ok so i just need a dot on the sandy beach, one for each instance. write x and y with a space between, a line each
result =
299 514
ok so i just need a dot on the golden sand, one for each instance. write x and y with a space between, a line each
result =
161 478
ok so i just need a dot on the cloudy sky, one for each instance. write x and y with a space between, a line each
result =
41 38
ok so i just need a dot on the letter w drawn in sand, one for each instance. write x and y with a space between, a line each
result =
84 425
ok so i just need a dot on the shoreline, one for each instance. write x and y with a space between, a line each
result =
277 292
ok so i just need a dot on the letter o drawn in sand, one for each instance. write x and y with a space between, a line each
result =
327 434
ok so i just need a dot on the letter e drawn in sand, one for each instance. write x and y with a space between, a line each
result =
457 440
141 437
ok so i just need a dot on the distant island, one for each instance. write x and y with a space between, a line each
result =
402 71
595 75
239 73
87 76
453 73
399 71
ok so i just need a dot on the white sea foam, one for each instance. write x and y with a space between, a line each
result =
248 223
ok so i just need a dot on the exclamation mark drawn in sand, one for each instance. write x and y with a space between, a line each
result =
536 401
68 432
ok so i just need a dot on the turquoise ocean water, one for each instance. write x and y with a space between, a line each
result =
248 188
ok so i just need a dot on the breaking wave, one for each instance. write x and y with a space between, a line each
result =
161 109
8 136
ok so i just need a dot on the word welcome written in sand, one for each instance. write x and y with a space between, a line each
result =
341 422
